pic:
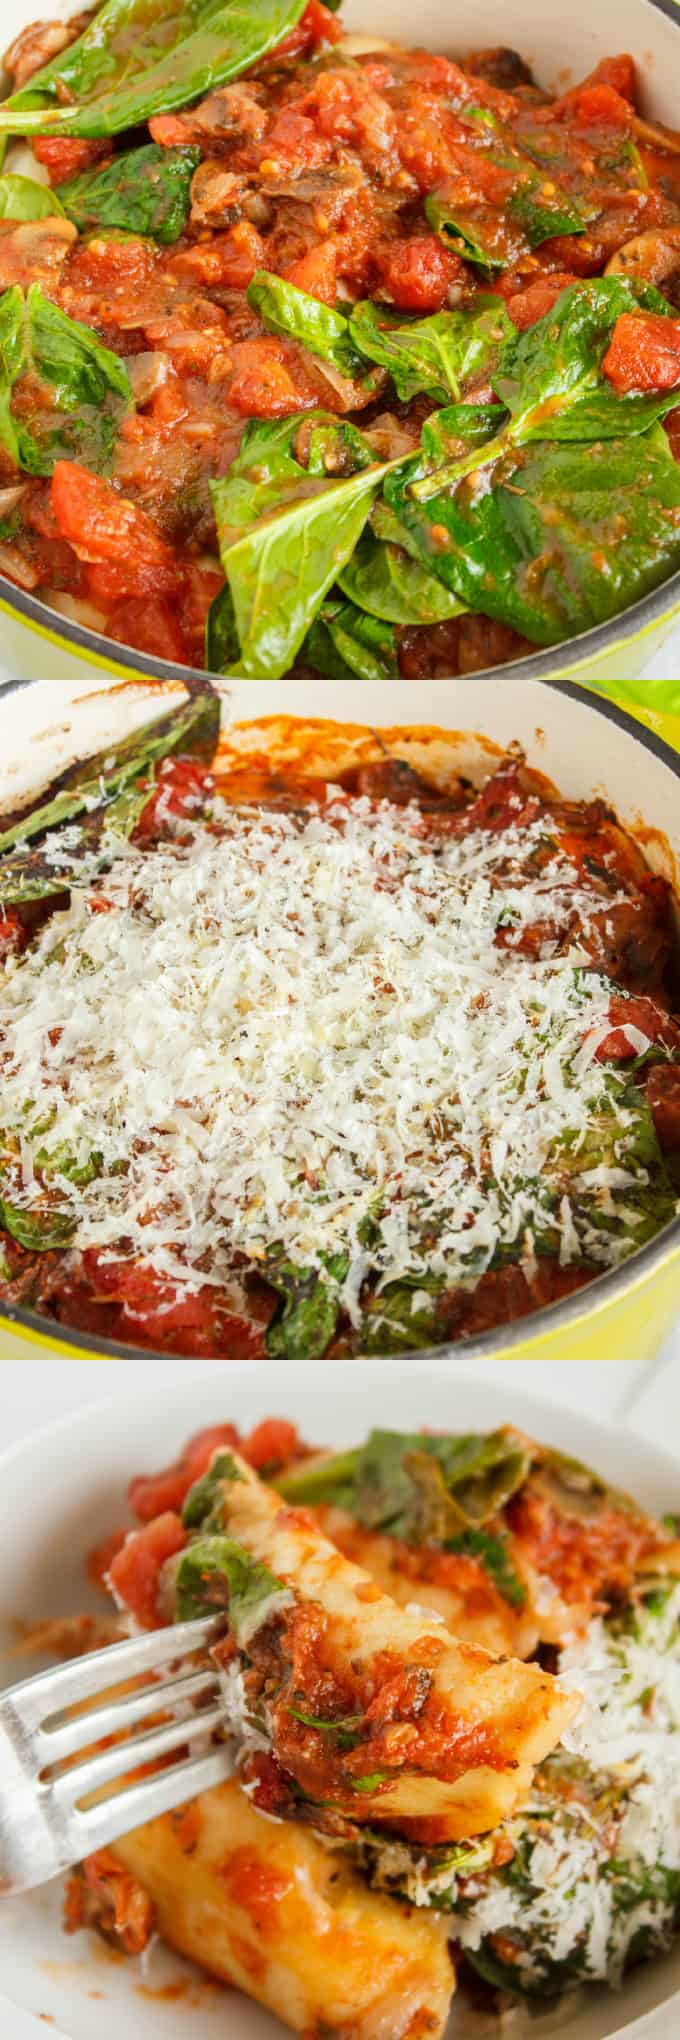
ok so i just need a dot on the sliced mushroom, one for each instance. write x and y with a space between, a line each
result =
11 496
652 257
215 195
35 251
18 569
657 137
36 45
148 372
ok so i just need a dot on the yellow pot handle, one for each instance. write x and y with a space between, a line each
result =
654 702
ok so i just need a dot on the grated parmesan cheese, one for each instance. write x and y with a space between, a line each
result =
287 1027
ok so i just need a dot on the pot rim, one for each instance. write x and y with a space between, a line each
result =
660 604
605 1289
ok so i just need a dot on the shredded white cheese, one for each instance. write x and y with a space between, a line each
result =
283 1025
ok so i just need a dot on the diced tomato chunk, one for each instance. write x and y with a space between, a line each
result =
272 1443
644 352
63 156
616 72
531 304
594 104
418 273
227 261
641 1016
179 790
13 935
315 272
152 1493
150 626
111 534
136 1569
169 130
269 381
316 25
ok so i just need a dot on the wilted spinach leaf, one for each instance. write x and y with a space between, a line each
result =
325 332
436 355
22 198
478 1473
89 387
305 1320
495 1557
215 1574
136 58
387 582
364 644
38 1231
280 571
550 376
194 728
549 538
143 191
204 1497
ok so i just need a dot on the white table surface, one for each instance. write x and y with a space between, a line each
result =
645 1395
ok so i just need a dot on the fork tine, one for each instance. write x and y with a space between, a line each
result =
51 1691
107 1765
95 1827
116 1716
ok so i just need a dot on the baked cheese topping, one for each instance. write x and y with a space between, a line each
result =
299 1033
596 1871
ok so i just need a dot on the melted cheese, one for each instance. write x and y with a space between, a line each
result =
284 1024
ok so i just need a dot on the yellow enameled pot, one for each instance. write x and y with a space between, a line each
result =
583 742
561 46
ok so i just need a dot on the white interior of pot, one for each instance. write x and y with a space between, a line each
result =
46 725
560 46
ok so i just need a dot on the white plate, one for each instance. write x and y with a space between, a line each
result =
62 1490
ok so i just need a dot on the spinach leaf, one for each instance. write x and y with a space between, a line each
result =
141 57
216 1573
341 1733
194 728
550 376
387 582
495 1557
280 571
549 538
222 648
284 462
541 214
450 434
436 355
88 386
401 1317
143 191
375 1482
478 232
202 1504
305 1320
22 198
36 874
285 309
365 645
38 1231
550 380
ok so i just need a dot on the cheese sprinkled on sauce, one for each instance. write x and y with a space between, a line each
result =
299 1031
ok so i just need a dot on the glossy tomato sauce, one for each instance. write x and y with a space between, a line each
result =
316 165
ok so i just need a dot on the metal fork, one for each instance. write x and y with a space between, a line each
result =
52 1779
